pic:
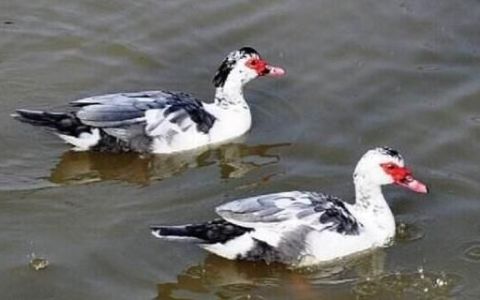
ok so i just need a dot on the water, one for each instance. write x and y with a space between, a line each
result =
360 74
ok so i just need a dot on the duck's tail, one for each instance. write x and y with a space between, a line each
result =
216 231
64 123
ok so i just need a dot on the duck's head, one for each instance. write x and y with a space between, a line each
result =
385 165
243 65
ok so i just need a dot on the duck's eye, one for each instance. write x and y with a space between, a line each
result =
388 166
253 62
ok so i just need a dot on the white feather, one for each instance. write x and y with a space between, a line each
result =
233 248
85 140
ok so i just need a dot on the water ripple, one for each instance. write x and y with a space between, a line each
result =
416 285
471 252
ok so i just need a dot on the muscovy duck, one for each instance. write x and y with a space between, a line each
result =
305 228
160 121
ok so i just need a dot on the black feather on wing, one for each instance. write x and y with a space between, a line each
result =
125 109
319 211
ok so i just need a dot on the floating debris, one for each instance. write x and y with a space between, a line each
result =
38 263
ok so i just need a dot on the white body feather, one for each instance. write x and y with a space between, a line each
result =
307 228
161 121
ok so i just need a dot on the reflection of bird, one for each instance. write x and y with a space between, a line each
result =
234 160
305 228
160 121
228 279
217 276
364 275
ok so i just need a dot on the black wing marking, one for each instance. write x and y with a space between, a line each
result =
335 215
193 108
319 211
126 109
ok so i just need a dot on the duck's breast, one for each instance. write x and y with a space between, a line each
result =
229 123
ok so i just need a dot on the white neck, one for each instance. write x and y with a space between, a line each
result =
232 114
230 95
372 209
368 194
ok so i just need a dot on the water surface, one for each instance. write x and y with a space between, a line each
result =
360 74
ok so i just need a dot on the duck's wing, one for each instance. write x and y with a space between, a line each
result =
281 213
154 113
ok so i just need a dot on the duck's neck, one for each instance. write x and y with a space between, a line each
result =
367 194
372 207
230 95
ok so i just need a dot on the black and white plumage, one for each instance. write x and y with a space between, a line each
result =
160 121
304 228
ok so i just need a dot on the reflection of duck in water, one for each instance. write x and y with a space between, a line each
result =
234 160
228 279
223 279
362 277
160 121
305 228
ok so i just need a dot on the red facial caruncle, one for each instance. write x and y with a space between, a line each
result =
403 177
263 68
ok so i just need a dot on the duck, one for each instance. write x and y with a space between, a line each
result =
160 121
303 228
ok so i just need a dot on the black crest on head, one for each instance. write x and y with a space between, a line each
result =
228 62
248 50
391 152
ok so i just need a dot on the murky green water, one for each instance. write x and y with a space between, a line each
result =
360 74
